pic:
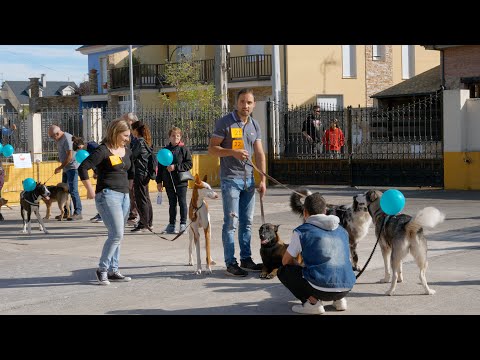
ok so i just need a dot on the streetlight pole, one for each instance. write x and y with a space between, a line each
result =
132 104
171 54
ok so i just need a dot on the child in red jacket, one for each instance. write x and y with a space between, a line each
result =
333 139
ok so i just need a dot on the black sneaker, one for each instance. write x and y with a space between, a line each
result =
138 229
250 265
116 276
102 277
234 270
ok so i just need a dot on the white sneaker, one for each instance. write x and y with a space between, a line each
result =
340 305
308 308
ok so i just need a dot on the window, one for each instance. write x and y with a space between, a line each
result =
408 61
378 52
472 84
330 102
349 61
255 49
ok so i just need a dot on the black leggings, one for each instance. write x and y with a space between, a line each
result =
181 196
143 203
291 276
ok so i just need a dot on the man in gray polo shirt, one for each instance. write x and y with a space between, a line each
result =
69 166
235 138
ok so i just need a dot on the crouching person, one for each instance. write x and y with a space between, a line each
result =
327 274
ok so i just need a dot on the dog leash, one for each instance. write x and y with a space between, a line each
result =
378 238
261 208
271 178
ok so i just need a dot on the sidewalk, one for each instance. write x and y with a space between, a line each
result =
54 273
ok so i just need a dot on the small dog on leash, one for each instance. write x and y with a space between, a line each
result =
200 218
272 249
356 219
60 194
30 201
402 234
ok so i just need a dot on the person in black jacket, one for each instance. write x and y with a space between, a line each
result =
113 160
182 161
142 150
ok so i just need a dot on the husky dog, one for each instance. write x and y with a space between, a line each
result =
356 219
402 234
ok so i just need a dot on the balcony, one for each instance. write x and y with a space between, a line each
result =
151 76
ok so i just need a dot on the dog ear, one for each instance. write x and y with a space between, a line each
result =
197 179
275 227
205 178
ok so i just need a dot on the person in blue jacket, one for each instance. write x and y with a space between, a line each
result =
327 273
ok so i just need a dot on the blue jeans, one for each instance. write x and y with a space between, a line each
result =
241 202
113 207
71 178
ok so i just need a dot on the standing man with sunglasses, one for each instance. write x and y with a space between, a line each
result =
69 166
312 131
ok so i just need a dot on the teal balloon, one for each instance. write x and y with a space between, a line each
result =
7 150
81 155
165 157
392 202
29 184
1 148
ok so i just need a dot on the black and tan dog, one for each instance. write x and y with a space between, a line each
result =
272 249
60 194
400 235
30 201
356 219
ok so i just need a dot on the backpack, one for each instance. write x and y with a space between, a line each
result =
152 165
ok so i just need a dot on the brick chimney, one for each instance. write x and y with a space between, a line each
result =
93 81
34 94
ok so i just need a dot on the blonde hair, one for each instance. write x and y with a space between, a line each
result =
174 129
116 127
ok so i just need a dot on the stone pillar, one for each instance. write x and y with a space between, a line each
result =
92 124
34 135
93 81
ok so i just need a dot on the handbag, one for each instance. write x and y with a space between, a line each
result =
185 176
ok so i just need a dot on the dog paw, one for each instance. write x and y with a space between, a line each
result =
46 231
212 262
198 272
270 276
190 263
263 275
390 292
385 280
356 268
430 292
23 231
208 271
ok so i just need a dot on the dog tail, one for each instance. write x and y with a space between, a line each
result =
296 202
427 217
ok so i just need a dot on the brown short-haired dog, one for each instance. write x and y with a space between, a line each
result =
60 194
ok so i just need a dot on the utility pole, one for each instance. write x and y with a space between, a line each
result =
132 106
221 76
276 88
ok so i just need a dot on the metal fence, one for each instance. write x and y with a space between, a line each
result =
399 146
409 131
18 137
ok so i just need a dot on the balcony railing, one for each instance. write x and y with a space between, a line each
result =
240 68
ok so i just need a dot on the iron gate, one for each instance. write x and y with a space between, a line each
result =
400 146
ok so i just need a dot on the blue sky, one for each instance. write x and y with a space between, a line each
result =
57 62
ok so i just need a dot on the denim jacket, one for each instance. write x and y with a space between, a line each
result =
326 253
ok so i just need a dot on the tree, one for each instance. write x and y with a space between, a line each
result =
195 106
192 90
83 88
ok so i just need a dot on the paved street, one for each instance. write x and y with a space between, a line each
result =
54 273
